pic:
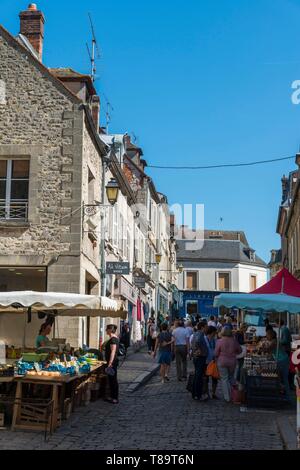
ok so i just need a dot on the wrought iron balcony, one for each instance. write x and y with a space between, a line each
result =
16 210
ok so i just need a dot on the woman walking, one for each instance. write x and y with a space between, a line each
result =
210 339
164 344
111 357
227 349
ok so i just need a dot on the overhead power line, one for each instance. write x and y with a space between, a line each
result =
224 165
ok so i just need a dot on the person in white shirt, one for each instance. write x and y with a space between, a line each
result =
181 336
212 321
189 328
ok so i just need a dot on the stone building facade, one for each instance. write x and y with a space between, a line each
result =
288 227
50 163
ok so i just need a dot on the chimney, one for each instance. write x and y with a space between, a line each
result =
285 188
32 26
95 108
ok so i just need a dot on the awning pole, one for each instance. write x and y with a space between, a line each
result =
24 332
278 338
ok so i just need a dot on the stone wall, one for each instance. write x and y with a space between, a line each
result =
33 125
42 121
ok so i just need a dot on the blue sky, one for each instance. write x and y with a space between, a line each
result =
198 82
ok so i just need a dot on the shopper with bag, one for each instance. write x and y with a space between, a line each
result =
211 365
111 357
227 349
200 353
151 336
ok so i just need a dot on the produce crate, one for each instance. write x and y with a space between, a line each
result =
34 357
263 392
264 402
259 382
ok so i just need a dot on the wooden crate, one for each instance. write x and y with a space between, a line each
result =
35 415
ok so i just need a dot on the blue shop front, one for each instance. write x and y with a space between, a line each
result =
197 303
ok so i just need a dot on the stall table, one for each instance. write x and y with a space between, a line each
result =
37 415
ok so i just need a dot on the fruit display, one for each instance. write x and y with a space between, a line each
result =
43 373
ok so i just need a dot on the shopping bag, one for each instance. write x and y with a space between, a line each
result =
212 370
237 396
190 382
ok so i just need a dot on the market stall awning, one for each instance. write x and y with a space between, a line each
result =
283 283
280 294
64 304
269 302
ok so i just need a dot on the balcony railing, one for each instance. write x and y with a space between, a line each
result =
17 210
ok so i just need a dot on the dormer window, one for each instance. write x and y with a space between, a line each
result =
250 253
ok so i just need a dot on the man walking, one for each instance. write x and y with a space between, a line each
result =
181 336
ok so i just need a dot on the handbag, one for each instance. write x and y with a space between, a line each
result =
237 396
212 370
110 371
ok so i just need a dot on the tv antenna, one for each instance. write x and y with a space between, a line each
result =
95 53
109 110
135 137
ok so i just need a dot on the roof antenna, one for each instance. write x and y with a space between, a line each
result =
109 109
135 137
95 49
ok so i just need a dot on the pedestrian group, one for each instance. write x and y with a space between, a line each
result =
217 353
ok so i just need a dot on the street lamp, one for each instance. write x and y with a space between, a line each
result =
158 257
112 191
180 268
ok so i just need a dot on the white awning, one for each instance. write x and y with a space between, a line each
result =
65 304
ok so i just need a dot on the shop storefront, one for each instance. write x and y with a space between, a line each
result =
21 278
199 303
163 301
125 291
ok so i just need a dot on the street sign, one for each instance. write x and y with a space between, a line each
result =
114 267
139 282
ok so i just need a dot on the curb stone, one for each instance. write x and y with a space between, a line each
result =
143 378
287 433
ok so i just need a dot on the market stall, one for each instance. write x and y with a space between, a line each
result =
261 375
42 388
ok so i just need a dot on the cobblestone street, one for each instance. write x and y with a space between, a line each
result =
157 416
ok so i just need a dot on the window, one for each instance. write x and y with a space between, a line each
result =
128 245
191 280
223 281
192 307
14 183
253 284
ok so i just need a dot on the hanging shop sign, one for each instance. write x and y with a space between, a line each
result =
139 282
114 267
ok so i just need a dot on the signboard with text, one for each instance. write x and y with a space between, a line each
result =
115 267
139 282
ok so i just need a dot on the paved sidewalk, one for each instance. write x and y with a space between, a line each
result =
156 416
134 372
287 425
